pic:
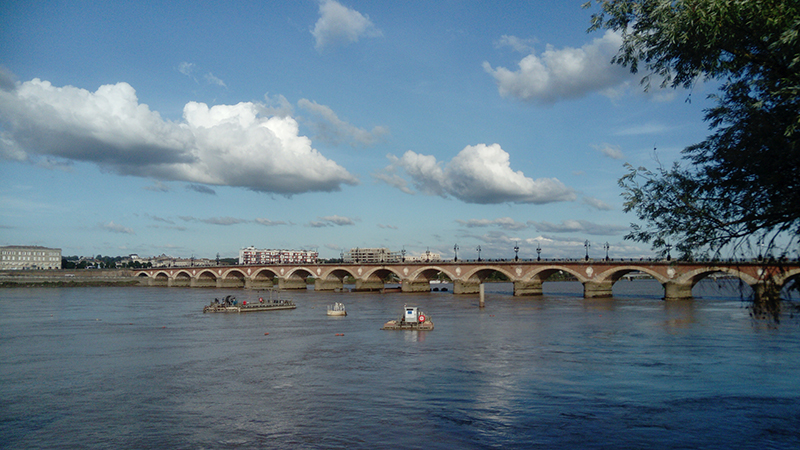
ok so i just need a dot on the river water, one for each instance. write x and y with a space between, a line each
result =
143 367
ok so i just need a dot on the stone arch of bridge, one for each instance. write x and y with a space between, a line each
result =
299 273
233 278
426 274
264 274
481 273
336 273
161 278
789 275
182 274
693 277
380 274
540 275
616 273
143 275
206 275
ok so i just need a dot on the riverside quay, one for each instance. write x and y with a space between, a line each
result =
597 277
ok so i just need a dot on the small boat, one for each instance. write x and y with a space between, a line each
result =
412 319
229 304
337 309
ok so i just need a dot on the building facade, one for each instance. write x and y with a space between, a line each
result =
252 255
372 256
19 257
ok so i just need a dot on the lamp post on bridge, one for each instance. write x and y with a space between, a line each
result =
403 252
606 246
760 244
479 253
516 251
669 256
455 250
428 254
587 245
538 251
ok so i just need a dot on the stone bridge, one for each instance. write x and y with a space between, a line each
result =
598 277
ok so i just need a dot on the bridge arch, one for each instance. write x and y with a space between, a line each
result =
233 278
205 278
182 278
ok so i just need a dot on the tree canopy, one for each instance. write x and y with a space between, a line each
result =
742 183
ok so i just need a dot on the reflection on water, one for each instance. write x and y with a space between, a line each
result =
144 368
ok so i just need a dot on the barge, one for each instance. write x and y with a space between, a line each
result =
229 304
412 319
337 309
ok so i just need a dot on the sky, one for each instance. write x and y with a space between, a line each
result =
199 128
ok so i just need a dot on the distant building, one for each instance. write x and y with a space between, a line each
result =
372 256
252 255
19 257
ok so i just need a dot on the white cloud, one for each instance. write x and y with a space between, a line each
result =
612 151
340 25
579 226
503 222
596 203
214 80
269 223
115 228
566 73
338 220
335 131
478 174
518 44
225 145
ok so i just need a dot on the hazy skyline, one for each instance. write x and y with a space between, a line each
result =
187 129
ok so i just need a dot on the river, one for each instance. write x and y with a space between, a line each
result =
144 368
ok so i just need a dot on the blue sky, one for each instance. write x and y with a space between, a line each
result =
197 128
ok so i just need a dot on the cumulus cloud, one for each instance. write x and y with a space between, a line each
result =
568 73
579 226
478 174
335 131
340 25
115 228
503 222
223 145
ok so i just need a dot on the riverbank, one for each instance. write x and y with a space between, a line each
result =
67 278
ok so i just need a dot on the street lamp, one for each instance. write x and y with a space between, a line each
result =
479 253
428 254
669 257
538 251
403 252
455 250
606 247
587 245
516 251
760 246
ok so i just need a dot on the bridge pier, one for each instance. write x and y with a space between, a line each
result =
466 287
258 283
415 286
522 288
368 285
328 284
597 289
674 290
285 283
203 282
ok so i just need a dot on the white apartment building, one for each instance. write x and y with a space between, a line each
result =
372 256
252 255
19 257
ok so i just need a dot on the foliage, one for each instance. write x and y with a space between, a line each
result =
743 182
